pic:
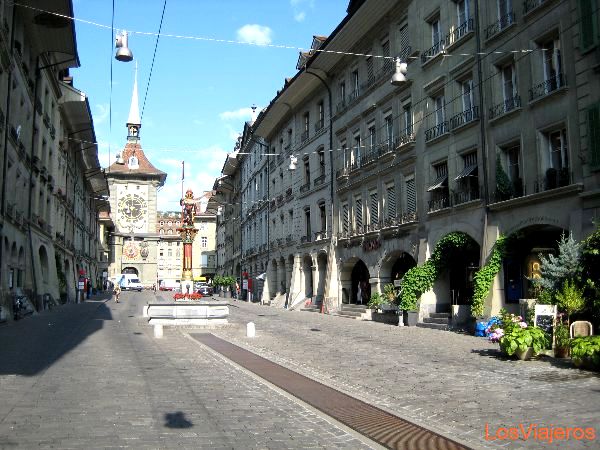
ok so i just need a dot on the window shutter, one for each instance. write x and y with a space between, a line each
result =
594 136
411 196
589 24
391 198
358 213
374 208
345 218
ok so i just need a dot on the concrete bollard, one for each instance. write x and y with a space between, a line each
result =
158 331
250 329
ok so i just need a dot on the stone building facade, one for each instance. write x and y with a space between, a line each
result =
493 133
53 188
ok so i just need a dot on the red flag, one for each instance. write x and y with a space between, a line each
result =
182 170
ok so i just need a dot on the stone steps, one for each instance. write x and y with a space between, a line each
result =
351 311
436 321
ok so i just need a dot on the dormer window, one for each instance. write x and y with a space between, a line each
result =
133 162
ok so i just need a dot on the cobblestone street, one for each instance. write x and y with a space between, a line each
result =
93 376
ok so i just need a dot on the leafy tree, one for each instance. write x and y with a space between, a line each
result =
590 261
557 269
570 298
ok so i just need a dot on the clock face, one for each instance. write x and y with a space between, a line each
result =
132 209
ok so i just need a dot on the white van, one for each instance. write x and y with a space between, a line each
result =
130 282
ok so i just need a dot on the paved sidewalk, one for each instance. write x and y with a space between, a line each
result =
451 383
93 376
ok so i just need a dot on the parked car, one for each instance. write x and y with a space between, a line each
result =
205 291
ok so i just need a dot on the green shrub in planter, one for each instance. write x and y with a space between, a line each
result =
521 337
376 301
586 351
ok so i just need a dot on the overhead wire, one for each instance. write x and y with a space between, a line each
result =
153 57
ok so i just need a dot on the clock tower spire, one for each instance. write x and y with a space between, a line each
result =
134 123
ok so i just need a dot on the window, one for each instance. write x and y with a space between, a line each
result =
385 50
439 192
440 110
358 213
408 118
467 94
462 9
511 156
403 41
204 242
306 124
169 253
411 195
323 216
372 136
291 222
308 230
321 115
373 208
390 193
389 129
552 65
509 85
593 122
558 149
306 170
357 151
355 85
345 154
436 33
589 24
342 91
468 181
370 73
345 218
321 153
161 252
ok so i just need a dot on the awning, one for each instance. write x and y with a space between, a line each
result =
439 183
467 171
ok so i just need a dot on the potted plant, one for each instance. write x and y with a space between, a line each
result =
517 338
585 352
561 340
408 306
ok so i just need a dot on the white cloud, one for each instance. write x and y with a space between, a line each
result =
299 16
102 112
254 34
299 8
242 113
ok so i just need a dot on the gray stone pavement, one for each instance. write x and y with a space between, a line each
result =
450 383
93 376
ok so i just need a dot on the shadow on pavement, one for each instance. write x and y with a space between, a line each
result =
177 420
29 346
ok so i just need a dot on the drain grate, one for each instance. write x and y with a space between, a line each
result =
380 426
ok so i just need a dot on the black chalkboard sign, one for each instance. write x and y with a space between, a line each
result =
546 323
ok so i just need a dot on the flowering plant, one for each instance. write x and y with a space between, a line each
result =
193 296
513 333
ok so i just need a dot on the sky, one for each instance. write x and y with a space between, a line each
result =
201 90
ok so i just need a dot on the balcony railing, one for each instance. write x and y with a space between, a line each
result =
304 136
438 203
305 187
305 239
343 172
506 106
320 235
371 227
288 193
353 95
466 195
464 117
319 124
436 131
370 156
404 139
400 219
546 87
433 51
460 32
502 23
340 106
319 180
554 179
530 5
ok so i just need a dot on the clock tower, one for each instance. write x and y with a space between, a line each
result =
133 182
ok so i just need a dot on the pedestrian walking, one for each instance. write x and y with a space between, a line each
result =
117 293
